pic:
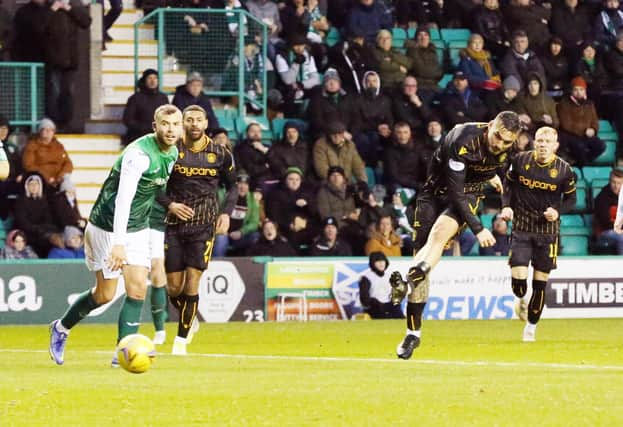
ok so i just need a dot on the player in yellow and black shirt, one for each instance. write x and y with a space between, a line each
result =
466 161
194 216
539 186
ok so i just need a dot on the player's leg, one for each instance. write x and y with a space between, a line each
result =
98 244
174 265
158 299
416 302
135 278
518 260
544 260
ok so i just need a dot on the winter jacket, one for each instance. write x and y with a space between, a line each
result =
406 111
327 154
338 203
537 106
266 11
61 35
49 160
282 155
390 62
462 107
66 253
253 161
474 71
515 65
425 65
572 25
369 19
374 110
532 19
281 205
556 71
351 62
183 99
321 248
138 115
29 24
490 25
325 107
63 212
576 117
378 243
606 204
613 63
403 166
276 248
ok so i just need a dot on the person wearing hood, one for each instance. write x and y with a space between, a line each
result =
536 108
17 247
192 93
271 242
556 67
138 115
64 206
336 149
384 239
505 98
33 216
460 104
607 23
331 102
74 245
329 243
403 166
411 106
45 155
371 16
520 60
290 198
375 120
393 65
579 125
375 290
291 151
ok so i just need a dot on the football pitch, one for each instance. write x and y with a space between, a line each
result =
323 374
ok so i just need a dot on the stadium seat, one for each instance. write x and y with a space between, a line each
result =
279 123
596 187
444 81
596 172
608 135
399 35
333 37
579 176
608 156
581 203
588 220
440 54
243 122
486 219
454 48
371 176
573 245
574 225
449 35
606 126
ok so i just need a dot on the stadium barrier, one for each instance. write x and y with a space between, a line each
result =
258 289
21 85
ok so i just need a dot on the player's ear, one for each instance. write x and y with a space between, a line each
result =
153 126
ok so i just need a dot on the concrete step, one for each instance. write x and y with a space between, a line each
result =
126 78
85 175
126 48
126 62
124 92
113 110
87 192
105 126
129 16
126 32
94 158
85 207
105 143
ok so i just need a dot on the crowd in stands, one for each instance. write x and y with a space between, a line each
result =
367 90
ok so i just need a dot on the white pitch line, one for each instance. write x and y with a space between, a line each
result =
475 363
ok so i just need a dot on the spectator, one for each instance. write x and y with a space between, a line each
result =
243 223
329 243
271 242
6 34
33 216
29 24
536 108
533 18
519 60
192 94
606 204
138 115
10 187
478 66
489 22
64 206
116 7
220 137
332 103
289 199
251 154
423 13
433 139
74 245
267 12
375 119
410 108
612 103
393 65
337 149
61 28
579 125
371 205
253 63
17 247
370 15
352 58
591 68
297 74
375 290
460 104
499 228
608 23
291 151
556 67
384 239
571 22
45 155
425 65
403 162
335 199
505 98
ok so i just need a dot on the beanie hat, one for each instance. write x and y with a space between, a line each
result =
46 124
70 232
331 74
294 169
578 82
511 83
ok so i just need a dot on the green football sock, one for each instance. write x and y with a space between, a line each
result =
129 317
81 307
159 307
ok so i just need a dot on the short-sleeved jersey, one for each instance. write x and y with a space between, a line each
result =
534 187
152 181
463 164
195 180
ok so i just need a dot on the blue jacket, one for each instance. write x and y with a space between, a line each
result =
369 19
66 253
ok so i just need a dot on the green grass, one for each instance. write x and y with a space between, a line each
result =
331 374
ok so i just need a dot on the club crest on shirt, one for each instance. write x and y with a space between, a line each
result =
211 157
181 154
553 173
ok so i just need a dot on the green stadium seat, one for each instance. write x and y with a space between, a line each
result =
581 204
243 122
399 35
588 220
571 220
454 48
606 126
371 176
455 34
578 172
333 37
279 123
596 172
440 54
486 219
573 245
608 156
596 187
444 81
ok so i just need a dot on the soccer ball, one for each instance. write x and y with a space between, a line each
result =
136 353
